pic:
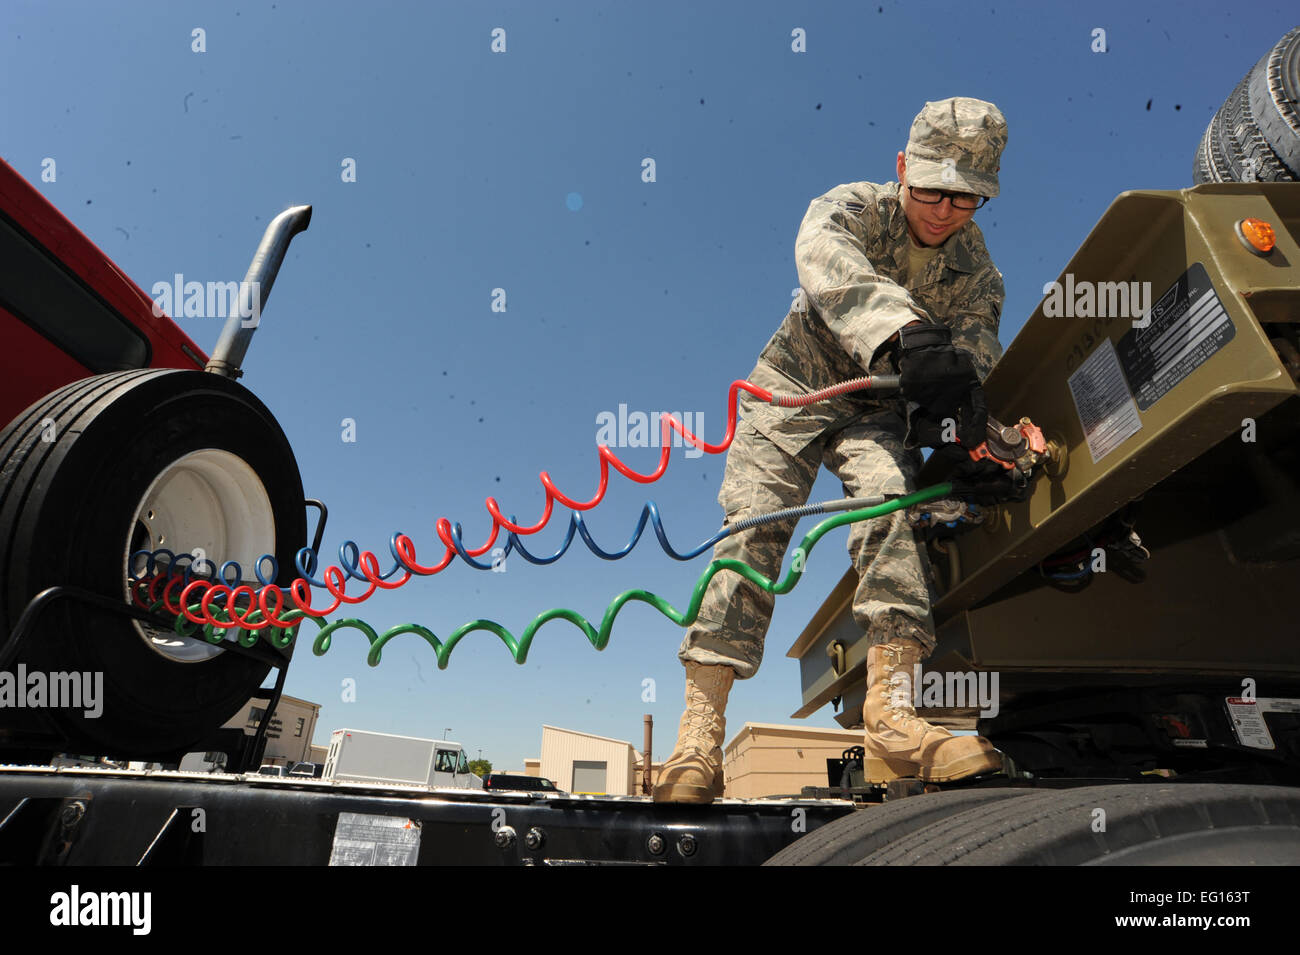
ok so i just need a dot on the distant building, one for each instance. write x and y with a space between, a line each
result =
766 759
762 759
288 735
580 762
585 763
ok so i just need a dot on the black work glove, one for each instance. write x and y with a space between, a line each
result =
984 482
941 379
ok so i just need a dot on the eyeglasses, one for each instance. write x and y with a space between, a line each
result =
960 200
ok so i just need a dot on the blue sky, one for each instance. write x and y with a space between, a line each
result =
522 170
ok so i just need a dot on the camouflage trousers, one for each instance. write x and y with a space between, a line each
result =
895 588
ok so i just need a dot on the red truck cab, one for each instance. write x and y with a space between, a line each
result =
66 311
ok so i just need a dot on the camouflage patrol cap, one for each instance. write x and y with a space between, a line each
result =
956 144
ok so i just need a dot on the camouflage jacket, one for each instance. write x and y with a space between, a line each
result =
852 259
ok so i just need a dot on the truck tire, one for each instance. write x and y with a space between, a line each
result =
1275 99
1144 824
851 838
1255 135
128 461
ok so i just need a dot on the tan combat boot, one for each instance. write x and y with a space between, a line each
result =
693 773
901 744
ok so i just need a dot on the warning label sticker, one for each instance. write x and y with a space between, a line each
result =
1102 398
1185 327
1275 704
1247 719
361 839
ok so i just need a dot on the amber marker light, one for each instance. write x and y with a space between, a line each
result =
1257 235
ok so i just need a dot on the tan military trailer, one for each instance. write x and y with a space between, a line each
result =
1136 614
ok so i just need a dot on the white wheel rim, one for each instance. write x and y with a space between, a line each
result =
209 503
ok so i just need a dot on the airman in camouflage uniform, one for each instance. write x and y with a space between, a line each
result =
863 276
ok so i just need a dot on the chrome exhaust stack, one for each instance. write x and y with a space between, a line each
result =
254 290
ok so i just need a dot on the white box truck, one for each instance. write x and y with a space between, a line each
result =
366 757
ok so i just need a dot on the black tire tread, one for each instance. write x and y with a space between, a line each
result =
19 466
1053 827
1242 144
1274 98
849 839
1234 139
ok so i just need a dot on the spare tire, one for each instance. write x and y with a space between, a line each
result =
146 459
1275 100
1255 135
